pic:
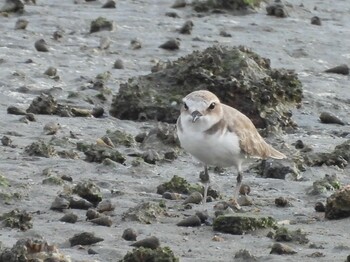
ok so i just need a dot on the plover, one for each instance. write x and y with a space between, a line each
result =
219 135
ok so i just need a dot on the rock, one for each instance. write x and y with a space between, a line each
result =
172 44
224 34
105 205
234 6
51 71
284 235
118 64
191 221
150 156
315 20
186 28
17 219
105 43
41 45
239 77
203 216
240 224
172 14
81 112
89 191
179 4
69 218
146 212
142 254
194 198
102 221
31 117
329 118
328 183
6 141
97 153
244 255
109 4
244 190
92 214
129 234
119 137
98 112
84 238
320 207
274 169
13 110
338 204
281 202
51 128
60 203
150 242
57 35
21 24
276 9
244 201
40 149
12 6
135 44
101 24
32 249
53 180
282 249
171 196
79 203
43 104
177 185
341 69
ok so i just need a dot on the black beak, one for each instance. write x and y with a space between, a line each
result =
195 116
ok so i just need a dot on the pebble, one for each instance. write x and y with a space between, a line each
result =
244 190
329 118
225 34
315 20
92 214
281 202
150 242
31 117
172 14
92 251
171 196
320 207
203 215
109 4
13 110
179 4
6 141
105 205
21 24
341 69
186 28
80 203
282 249
51 128
118 64
98 112
172 44
105 42
69 218
59 203
193 198
191 221
51 71
84 238
41 45
102 221
129 234
57 35
135 44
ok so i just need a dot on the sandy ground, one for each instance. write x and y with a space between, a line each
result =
291 43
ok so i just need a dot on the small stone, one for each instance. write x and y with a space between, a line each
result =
89 191
21 24
172 44
341 69
105 205
84 238
329 118
179 4
101 24
320 207
171 196
281 202
6 141
51 71
41 45
79 203
43 104
186 28
12 6
282 249
98 112
69 218
244 255
51 128
135 44
338 204
245 201
129 234
282 234
193 198
191 221
13 110
60 203
92 251
92 214
276 9
57 35
225 34
102 221
172 14
109 4
67 178
203 216
31 117
315 20
118 64
151 156
150 242
244 190
105 43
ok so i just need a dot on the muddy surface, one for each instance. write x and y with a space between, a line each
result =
86 79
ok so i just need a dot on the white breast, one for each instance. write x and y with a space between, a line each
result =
219 149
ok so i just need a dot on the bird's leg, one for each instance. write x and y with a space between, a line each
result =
206 181
238 185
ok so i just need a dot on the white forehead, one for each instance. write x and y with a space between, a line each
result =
196 103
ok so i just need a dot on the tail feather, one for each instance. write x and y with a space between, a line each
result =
276 154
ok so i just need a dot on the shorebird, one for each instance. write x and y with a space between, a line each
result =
219 135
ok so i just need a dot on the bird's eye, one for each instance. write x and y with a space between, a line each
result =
212 106
185 106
